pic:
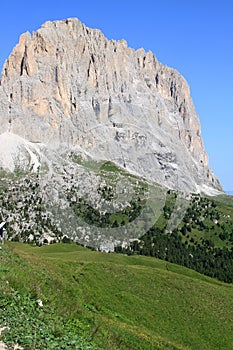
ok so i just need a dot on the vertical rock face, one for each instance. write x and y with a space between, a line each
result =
68 86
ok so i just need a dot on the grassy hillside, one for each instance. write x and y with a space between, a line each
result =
196 233
114 206
96 300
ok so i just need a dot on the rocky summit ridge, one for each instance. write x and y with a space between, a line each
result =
67 88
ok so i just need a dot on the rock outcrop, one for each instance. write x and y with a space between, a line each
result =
68 87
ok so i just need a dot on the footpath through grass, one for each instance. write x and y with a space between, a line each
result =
96 300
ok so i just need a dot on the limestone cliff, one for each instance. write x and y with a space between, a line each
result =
68 87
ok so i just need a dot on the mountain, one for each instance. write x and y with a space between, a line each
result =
230 193
66 89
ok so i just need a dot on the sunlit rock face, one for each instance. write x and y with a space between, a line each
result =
68 87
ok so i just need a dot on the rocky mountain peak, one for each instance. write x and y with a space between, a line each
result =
67 86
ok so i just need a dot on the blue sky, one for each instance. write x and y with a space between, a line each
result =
193 36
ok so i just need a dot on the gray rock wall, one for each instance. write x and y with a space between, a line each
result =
67 86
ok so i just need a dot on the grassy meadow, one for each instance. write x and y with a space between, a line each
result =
94 300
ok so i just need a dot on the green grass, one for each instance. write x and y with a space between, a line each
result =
118 302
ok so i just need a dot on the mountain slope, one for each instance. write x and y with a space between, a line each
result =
69 87
105 207
121 302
